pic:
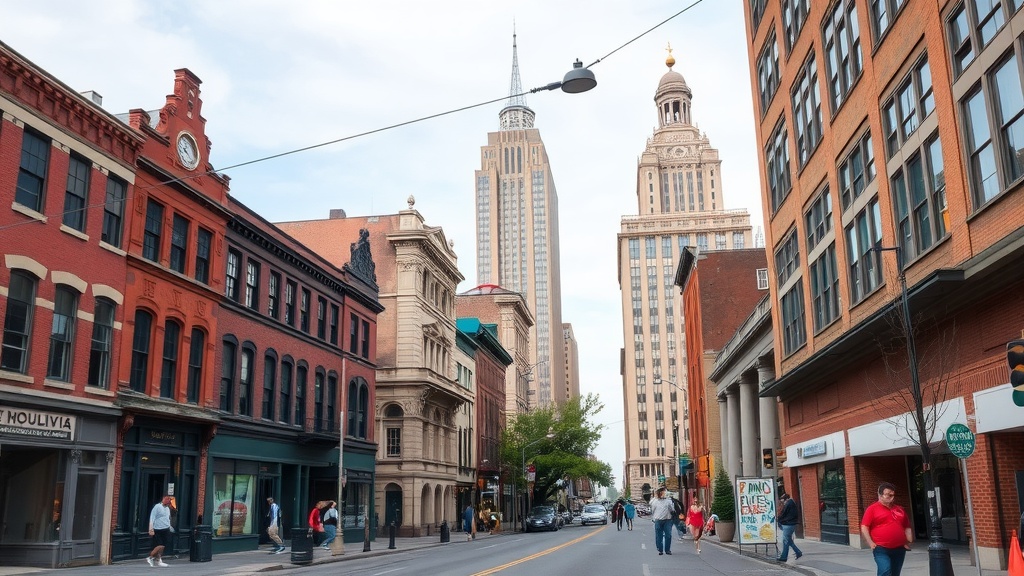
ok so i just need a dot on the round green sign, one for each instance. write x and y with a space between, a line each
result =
960 440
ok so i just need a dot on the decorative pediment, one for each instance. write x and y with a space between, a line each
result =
361 260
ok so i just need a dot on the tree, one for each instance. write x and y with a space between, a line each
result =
724 502
611 493
565 455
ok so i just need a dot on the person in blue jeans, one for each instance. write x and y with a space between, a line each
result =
788 518
663 514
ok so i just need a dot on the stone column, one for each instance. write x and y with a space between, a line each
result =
723 428
748 424
734 434
769 413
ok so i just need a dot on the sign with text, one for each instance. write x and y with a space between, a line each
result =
756 500
26 422
960 440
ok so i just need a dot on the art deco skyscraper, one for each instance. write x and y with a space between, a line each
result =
680 203
517 235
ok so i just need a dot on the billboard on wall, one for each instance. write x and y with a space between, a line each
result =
755 499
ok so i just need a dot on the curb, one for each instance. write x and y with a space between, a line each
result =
765 559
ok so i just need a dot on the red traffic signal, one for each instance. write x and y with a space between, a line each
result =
1015 357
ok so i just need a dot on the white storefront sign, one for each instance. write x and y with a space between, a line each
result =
27 422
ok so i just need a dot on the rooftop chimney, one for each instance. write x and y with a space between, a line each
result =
94 97
338 214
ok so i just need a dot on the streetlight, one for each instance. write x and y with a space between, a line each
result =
675 440
529 495
939 562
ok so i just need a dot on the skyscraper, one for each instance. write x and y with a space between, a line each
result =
680 203
517 234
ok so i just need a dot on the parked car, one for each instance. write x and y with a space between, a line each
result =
642 509
543 518
594 514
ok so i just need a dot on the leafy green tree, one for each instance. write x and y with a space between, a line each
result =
611 493
566 454
724 503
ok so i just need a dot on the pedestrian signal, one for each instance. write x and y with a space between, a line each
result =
767 458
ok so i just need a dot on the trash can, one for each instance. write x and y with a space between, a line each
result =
201 549
302 546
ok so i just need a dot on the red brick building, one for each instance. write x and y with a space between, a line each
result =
889 151
66 170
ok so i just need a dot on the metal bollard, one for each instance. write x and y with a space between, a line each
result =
391 535
446 535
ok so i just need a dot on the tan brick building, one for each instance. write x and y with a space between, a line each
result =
889 142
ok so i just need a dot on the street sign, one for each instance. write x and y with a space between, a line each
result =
960 440
661 478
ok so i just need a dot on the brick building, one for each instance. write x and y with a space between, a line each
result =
888 150
66 169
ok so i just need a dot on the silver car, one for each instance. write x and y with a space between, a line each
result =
594 514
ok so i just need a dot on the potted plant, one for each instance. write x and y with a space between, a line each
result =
724 506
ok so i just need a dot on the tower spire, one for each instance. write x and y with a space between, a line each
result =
516 115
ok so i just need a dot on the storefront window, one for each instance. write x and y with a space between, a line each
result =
33 490
356 500
233 498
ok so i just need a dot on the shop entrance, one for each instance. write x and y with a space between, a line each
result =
835 526
949 498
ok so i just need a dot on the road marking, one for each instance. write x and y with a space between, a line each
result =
387 571
647 570
497 569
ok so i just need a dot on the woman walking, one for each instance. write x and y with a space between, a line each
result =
330 523
630 511
695 521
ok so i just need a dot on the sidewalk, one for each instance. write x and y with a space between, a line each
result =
822 559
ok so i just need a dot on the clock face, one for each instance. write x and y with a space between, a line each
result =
188 151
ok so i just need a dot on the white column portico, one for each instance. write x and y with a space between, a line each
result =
748 425
769 413
723 427
735 433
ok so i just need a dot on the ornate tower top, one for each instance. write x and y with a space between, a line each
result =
670 61
673 96
516 115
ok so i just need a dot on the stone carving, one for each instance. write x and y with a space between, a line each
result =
361 260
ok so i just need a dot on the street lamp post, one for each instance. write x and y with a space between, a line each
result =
939 562
675 440
529 495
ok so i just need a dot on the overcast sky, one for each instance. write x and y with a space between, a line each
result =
284 75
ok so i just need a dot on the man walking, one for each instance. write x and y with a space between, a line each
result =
789 517
274 526
160 530
886 529
662 512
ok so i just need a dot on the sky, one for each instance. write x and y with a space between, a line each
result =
278 76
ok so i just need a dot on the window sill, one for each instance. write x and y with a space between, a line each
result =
72 232
100 391
58 384
17 377
25 210
113 249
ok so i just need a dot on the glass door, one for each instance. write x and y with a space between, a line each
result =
835 526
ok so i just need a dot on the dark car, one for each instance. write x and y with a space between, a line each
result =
542 518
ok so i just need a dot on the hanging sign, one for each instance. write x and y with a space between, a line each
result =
960 440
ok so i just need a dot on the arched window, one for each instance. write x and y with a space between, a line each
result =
318 400
245 380
62 333
196 350
141 341
300 394
269 383
102 343
169 366
358 407
227 375
332 401
286 390
21 297
393 414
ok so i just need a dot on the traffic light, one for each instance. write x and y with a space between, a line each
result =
767 458
1015 357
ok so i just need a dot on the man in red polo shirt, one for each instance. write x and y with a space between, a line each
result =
886 529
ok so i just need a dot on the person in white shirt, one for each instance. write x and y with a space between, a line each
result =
663 514
160 530
274 526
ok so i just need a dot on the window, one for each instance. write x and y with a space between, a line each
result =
825 288
35 155
365 352
179 243
252 285
169 369
794 14
756 11
818 219
318 401
358 407
919 200
76 193
332 395
113 211
21 297
300 395
882 14
195 366
912 102
856 171
232 270
102 342
321 318
394 442
841 38
737 242
62 334
141 340
227 376
720 241
865 263
787 258
269 379
777 156
807 111
289 303
274 298
762 278
286 392
334 324
154 228
353 335
245 383
304 311
203 241
768 72
794 331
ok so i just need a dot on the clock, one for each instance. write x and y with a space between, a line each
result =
188 151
